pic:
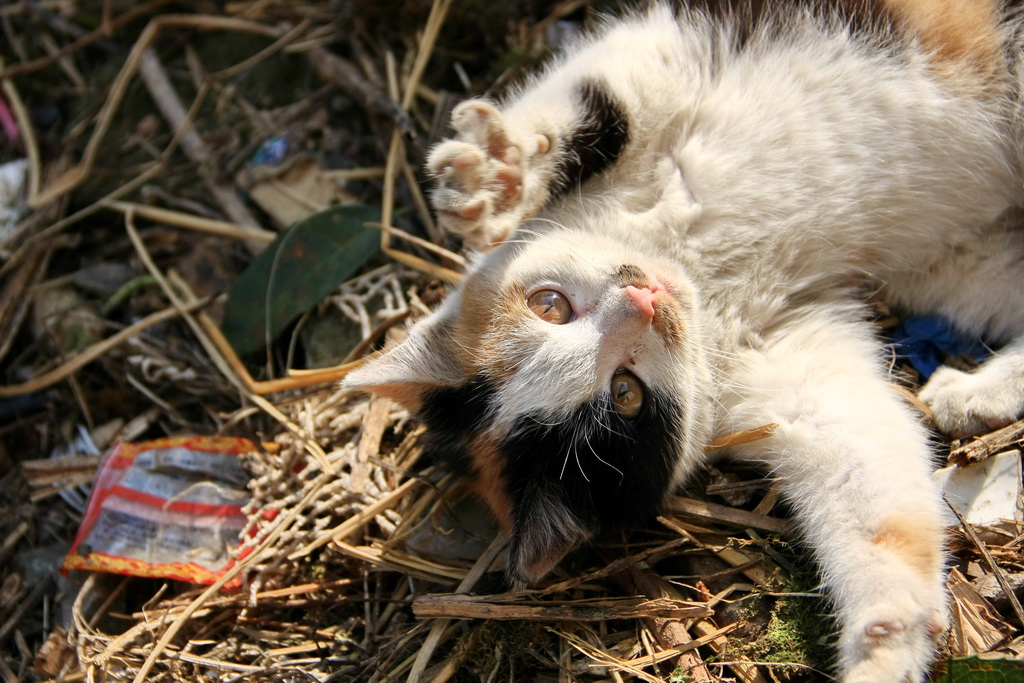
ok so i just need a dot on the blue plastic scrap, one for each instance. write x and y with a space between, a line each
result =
926 341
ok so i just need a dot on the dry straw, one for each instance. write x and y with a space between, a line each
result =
359 561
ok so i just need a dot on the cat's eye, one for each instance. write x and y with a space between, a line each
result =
627 394
550 306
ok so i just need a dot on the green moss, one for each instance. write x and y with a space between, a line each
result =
798 629
514 647
677 676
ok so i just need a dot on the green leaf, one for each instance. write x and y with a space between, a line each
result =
979 670
298 269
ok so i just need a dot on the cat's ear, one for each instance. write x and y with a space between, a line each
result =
544 529
423 362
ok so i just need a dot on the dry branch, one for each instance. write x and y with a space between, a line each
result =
997 571
721 514
343 73
986 445
160 88
88 39
95 351
596 609
670 632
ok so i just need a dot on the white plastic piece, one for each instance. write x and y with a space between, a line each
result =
12 180
985 493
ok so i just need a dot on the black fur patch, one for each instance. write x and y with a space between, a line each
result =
596 144
609 472
453 417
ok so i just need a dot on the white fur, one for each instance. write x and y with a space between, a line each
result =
772 185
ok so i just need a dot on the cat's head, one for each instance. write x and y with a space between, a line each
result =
566 378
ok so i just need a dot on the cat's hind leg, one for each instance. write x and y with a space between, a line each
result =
854 464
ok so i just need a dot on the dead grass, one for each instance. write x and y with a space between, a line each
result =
362 560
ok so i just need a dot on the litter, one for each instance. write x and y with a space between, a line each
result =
169 508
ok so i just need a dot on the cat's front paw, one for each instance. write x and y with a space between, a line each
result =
896 648
484 188
894 644
971 403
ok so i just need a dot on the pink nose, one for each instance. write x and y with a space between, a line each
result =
644 299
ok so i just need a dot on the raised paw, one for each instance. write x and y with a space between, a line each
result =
486 185
970 403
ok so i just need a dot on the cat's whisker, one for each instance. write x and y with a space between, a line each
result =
561 474
576 454
622 475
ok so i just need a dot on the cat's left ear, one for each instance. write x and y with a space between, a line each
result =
425 361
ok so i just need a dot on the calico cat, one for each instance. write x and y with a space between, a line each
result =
680 222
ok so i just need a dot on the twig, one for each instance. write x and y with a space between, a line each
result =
429 246
24 605
376 420
621 564
12 540
915 402
180 219
406 564
997 571
85 41
395 152
176 301
670 632
76 175
510 607
28 133
269 51
726 515
341 72
47 234
633 667
421 204
440 626
201 329
297 380
16 295
162 92
741 437
438 11
95 351
987 445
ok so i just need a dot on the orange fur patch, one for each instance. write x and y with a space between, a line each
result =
959 33
489 483
914 538
489 316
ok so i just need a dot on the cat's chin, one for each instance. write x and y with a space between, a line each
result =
521 572
522 576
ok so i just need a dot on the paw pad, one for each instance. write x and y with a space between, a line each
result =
483 176
883 629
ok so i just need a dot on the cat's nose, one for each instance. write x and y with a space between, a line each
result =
644 299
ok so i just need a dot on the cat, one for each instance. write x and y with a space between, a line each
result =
678 225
